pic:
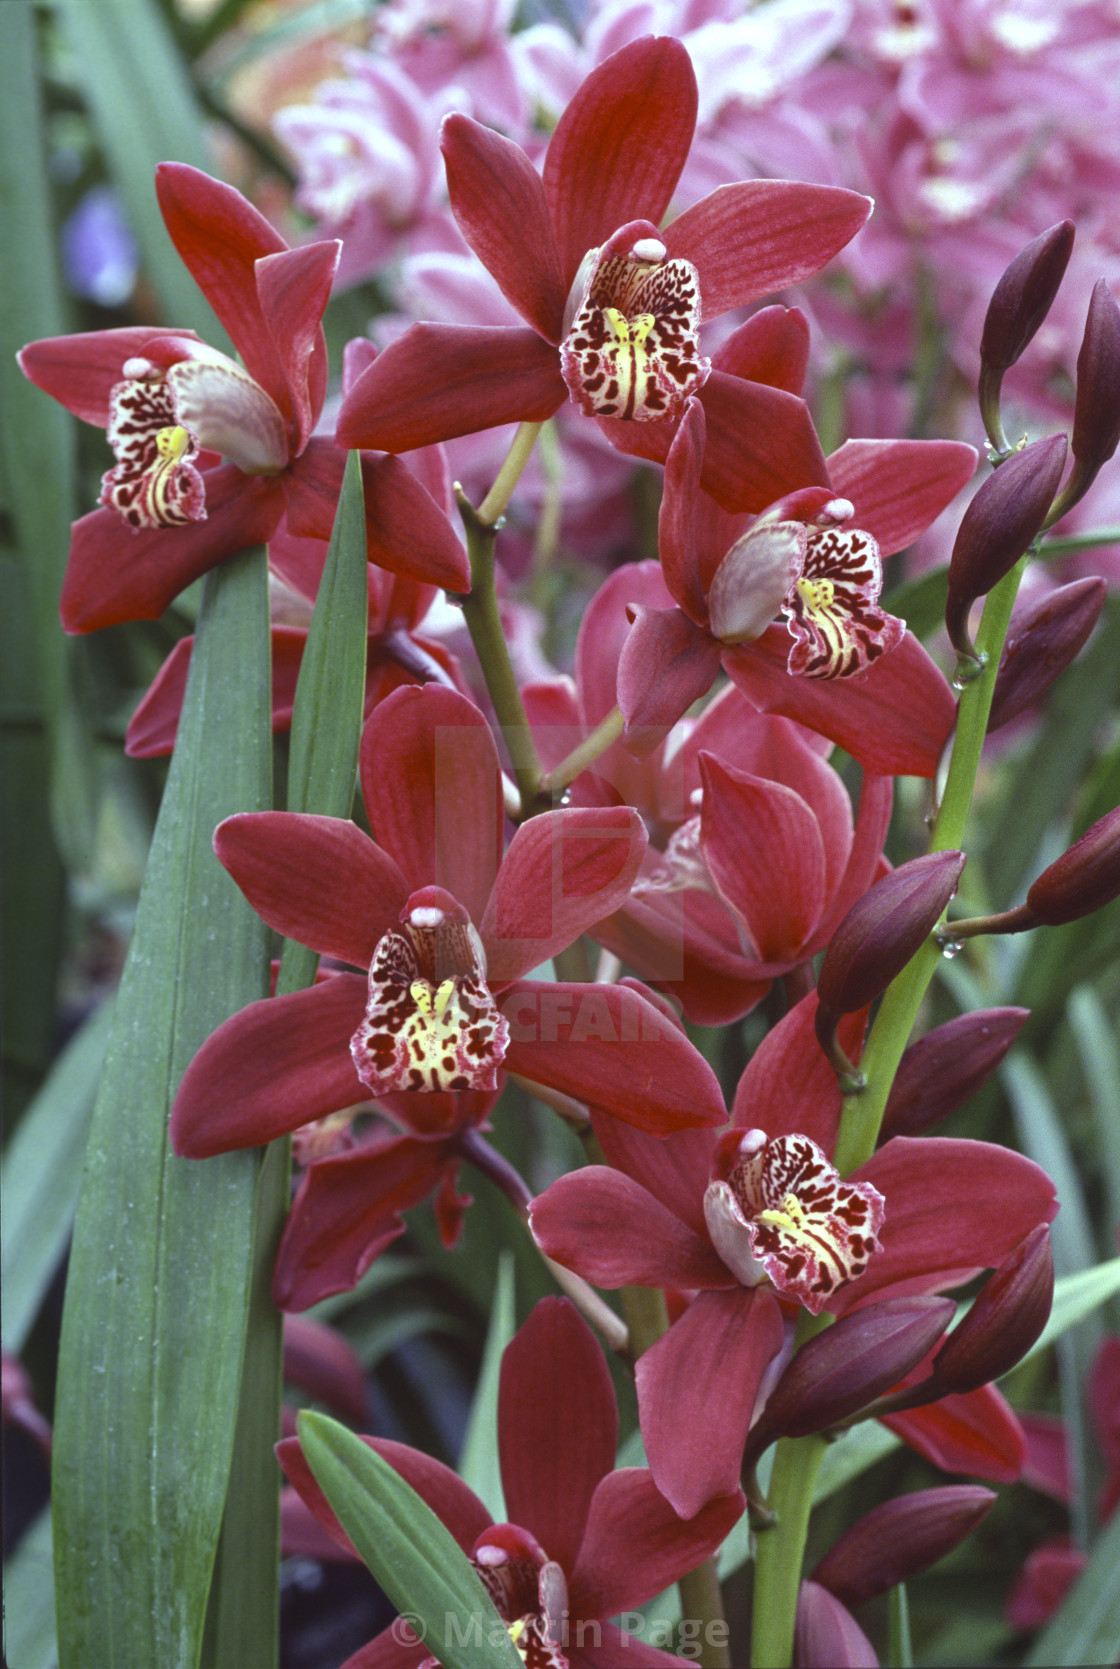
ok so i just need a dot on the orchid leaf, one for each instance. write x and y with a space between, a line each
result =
154 1321
327 716
478 1461
414 1557
326 728
42 1171
29 1635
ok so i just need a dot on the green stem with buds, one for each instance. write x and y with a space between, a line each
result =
797 1460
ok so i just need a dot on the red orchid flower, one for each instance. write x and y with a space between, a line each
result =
748 1218
754 856
586 1542
348 1206
445 1004
613 304
171 406
816 556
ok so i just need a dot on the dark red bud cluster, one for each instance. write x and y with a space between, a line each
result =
997 528
1042 641
899 1539
840 1371
1082 880
1023 296
937 1074
1006 1319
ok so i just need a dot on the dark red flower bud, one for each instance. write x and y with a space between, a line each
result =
1096 414
937 1074
1041 642
1006 1319
323 1363
883 929
1023 296
899 1538
1084 879
998 526
827 1635
840 1371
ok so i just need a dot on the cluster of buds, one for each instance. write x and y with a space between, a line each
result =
1025 497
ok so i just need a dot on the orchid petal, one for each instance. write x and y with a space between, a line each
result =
563 871
895 720
607 1045
277 1064
407 532
81 371
220 238
761 443
771 347
667 663
898 487
603 631
557 1427
676 522
319 880
347 1211
115 574
763 848
976 1432
953 1207
789 1087
697 1388
439 381
499 202
636 1545
674 1169
614 1233
294 287
432 786
794 230
619 147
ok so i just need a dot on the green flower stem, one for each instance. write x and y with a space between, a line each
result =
777 1570
646 1315
701 1601
797 1460
863 1113
608 730
480 611
1067 542
493 506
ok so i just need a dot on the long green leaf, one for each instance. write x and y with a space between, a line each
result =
414 1557
29 1635
154 1320
42 1171
478 1461
243 1624
1042 1138
46 756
